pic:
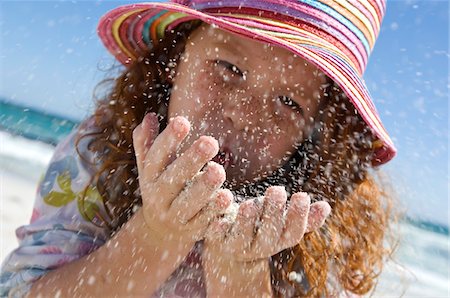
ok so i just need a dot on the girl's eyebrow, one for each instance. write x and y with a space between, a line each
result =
235 45
227 47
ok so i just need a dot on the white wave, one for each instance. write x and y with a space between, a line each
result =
406 280
425 249
420 267
24 157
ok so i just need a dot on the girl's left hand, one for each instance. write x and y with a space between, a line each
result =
263 229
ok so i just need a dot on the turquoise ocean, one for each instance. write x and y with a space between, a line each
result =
420 267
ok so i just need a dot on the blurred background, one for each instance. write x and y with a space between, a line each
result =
51 60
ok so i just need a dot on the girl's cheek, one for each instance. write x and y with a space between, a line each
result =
220 94
210 87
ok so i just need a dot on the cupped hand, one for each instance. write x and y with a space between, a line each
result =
263 228
178 198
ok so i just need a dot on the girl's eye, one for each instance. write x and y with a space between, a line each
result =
290 103
231 67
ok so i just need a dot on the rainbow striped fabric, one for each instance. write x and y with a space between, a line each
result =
336 35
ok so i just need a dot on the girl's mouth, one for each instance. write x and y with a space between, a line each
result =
224 158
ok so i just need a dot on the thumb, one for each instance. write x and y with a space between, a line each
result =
150 129
143 137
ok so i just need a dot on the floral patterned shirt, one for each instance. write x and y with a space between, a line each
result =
64 228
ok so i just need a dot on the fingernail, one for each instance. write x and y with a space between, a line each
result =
150 126
276 190
247 209
180 125
215 174
303 199
151 121
318 213
277 194
207 146
223 200
325 210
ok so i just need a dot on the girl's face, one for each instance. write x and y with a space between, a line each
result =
259 101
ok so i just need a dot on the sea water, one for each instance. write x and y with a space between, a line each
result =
420 267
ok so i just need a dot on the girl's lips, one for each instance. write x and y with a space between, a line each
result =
224 157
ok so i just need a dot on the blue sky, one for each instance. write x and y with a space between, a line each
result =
51 58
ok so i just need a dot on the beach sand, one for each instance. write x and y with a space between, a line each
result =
17 196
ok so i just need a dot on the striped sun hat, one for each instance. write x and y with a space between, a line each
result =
335 35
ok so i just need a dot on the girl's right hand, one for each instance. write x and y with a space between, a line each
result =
178 199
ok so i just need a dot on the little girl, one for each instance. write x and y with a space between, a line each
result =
233 157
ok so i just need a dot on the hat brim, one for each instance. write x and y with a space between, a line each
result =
128 31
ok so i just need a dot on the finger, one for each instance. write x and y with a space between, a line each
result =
164 147
184 168
196 196
318 212
201 221
242 233
272 220
143 137
296 220
217 230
